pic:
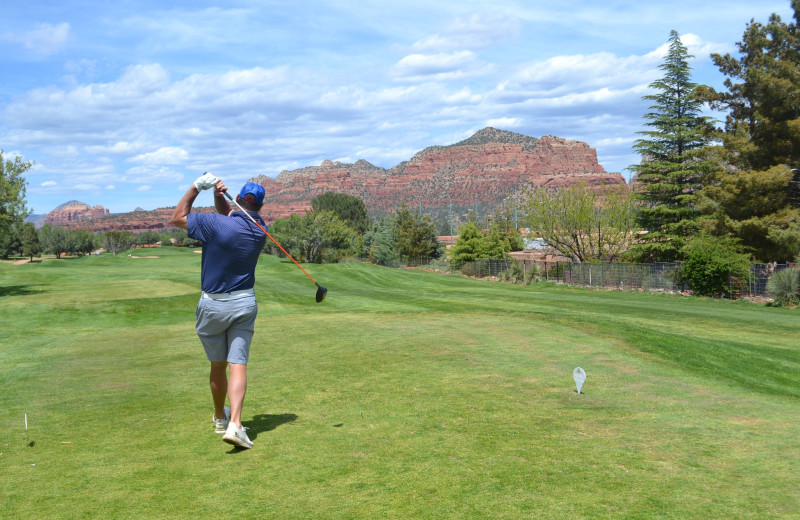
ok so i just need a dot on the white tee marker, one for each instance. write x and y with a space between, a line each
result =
579 376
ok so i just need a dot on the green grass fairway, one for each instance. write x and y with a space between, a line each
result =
405 394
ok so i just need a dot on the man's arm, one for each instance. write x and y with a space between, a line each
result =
184 207
220 202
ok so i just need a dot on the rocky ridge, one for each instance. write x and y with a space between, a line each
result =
487 168
484 170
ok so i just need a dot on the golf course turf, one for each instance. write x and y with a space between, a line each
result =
404 394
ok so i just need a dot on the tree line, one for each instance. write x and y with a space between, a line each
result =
24 240
721 192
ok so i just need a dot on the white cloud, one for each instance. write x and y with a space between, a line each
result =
702 49
118 148
476 31
464 95
164 155
415 64
439 67
49 183
44 39
146 187
147 174
504 122
564 74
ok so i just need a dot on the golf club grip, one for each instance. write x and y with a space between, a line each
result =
270 236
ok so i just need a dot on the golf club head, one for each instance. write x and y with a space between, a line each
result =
321 292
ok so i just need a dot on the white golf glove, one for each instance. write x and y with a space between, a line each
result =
205 182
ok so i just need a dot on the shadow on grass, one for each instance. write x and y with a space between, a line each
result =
15 290
264 423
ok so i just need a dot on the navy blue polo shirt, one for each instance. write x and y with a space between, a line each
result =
231 246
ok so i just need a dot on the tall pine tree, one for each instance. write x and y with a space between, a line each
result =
756 195
671 169
763 95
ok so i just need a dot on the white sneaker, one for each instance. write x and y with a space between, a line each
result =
237 437
220 425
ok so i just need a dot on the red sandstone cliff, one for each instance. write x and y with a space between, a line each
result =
73 212
485 169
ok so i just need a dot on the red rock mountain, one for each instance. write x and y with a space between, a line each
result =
72 212
486 168
483 170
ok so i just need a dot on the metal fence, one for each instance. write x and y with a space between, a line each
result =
654 277
657 277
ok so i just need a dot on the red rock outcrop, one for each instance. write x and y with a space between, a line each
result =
483 170
73 212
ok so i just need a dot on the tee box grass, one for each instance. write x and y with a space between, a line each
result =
404 394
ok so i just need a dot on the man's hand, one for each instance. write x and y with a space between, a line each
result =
220 203
205 181
220 188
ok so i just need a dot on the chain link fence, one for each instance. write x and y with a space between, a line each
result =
657 277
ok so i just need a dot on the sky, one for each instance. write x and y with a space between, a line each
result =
124 103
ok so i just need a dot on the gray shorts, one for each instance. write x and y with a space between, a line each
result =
225 328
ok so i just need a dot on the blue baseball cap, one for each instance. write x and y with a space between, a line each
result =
253 193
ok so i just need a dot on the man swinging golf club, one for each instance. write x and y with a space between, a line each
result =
227 309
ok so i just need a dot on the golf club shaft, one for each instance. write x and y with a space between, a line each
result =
270 236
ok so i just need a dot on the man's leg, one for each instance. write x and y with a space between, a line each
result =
237 386
218 381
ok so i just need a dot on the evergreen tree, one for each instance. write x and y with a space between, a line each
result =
12 202
672 169
504 224
762 127
54 240
148 237
755 196
82 242
347 207
469 247
329 238
378 243
415 237
30 241
10 241
290 234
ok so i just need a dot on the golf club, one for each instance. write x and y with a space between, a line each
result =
321 289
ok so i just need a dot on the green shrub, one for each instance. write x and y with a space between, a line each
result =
784 286
515 273
711 262
533 274
469 269
519 272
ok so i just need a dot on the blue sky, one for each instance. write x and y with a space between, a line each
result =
124 104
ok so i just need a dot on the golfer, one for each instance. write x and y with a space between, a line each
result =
226 313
